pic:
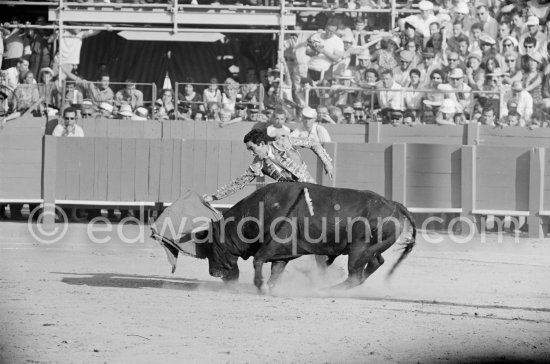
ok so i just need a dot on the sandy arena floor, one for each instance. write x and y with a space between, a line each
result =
81 302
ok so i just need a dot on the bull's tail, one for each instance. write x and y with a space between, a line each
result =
409 244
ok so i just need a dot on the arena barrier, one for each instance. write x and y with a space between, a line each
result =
116 165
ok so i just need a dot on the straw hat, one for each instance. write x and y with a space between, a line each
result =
536 56
126 110
406 56
462 8
456 73
532 20
486 38
345 75
425 5
106 106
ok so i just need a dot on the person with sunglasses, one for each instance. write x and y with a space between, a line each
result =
533 31
67 127
512 68
532 78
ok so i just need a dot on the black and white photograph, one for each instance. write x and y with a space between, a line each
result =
274 181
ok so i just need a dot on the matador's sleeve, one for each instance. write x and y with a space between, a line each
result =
253 171
315 146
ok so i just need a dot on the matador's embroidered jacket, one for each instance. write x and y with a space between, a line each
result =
283 163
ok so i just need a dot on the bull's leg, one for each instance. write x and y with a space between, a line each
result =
373 264
258 277
358 257
232 276
277 269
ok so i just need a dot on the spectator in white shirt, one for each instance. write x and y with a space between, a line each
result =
310 128
391 98
13 75
324 50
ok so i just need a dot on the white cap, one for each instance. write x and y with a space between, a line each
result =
309 113
532 20
425 5
106 106
462 8
126 110
141 111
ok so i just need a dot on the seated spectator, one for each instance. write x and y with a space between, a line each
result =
488 51
26 93
534 32
198 117
125 112
349 115
212 93
401 73
475 32
512 68
474 71
212 111
385 57
430 111
68 127
512 119
310 128
254 113
428 66
510 44
460 119
87 109
523 100
462 95
191 98
495 80
73 96
336 114
323 115
359 113
396 118
409 118
278 128
359 72
391 97
413 98
141 114
229 95
446 113
339 94
47 89
11 76
129 96
101 92
532 78
225 116
166 104
436 78
489 116
106 110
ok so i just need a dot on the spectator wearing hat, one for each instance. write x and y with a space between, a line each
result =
413 98
421 21
488 50
462 95
324 50
391 95
489 24
522 99
339 94
445 114
100 92
509 44
364 63
461 14
106 110
310 128
474 70
533 31
428 65
532 78
401 73
129 95
125 112
87 110
48 89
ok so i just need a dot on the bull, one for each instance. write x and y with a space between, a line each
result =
286 220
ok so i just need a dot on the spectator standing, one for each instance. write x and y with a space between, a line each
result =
461 14
73 96
324 49
401 73
422 22
15 42
166 104
39 46
70 47
212 93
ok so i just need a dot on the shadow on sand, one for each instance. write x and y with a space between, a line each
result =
118 280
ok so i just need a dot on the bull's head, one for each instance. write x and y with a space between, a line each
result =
221 260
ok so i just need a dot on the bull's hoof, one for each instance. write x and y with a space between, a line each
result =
264 289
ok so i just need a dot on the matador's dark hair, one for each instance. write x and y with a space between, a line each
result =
256 136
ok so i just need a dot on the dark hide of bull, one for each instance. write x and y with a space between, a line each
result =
286 220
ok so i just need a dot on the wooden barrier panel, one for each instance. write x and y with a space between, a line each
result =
433 176
427 134
21 159
514 136
502 181
546 179
118 128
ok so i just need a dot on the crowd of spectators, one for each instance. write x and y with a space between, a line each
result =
453 62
